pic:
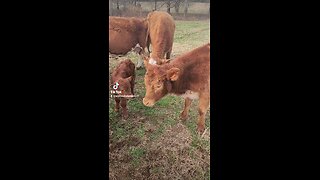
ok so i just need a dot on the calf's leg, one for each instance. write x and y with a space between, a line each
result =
204 101
132 84
185 112
117 104
124 108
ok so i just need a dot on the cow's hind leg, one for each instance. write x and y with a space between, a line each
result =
168 54
203 107
185 112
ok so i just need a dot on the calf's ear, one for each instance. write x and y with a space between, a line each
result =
173 74
129 78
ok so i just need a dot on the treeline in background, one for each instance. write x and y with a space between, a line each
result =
179 9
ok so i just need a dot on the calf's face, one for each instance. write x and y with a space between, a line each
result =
158 82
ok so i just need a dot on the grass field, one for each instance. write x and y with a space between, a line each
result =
153 143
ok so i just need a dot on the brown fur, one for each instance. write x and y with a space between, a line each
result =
126 33
161 29
190 71
124 74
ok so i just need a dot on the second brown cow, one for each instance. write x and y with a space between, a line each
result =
126 33
161 29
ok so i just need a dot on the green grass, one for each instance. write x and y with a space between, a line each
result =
190 34
140 131
136 154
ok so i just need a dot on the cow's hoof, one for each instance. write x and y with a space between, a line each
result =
184 116
125 116
200 129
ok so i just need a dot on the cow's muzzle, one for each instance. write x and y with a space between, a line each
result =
148 103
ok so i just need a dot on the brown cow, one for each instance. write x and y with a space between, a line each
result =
187 76
161 29
122 84
126 33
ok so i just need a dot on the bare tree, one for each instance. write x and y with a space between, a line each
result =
155 4
110 8
118 7
177 5
185 8
168 6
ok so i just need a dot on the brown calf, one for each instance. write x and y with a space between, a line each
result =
187 76
122 84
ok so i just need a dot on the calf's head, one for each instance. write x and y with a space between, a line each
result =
158 81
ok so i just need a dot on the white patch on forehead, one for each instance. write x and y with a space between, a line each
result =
190 94
152 61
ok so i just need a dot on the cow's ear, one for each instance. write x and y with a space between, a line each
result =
173 74
145 61
164 61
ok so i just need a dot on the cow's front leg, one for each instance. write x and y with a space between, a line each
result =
204 101
117 104
185 112
124 108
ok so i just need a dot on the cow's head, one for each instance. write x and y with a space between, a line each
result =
123 86
158 81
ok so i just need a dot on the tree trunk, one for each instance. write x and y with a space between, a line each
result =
124 4
155 5
110 8
177 6
185 8
168 6
118 4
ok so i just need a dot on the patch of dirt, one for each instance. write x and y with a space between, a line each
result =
172 152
